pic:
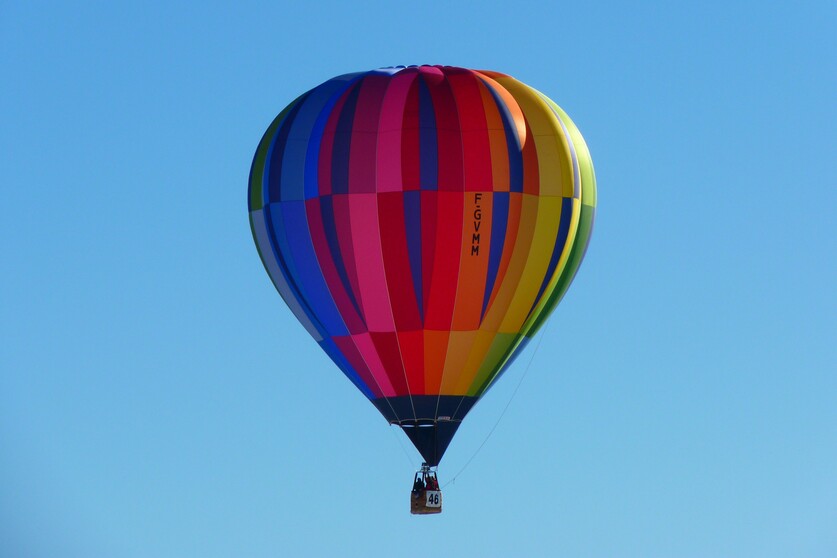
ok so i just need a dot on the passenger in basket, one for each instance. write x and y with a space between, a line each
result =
418 485
432 483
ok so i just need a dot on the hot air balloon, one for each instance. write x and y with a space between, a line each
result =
421 223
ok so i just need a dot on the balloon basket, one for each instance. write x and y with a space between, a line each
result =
426 502
425 498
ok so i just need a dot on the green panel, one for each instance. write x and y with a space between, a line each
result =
505 345
585 162
501 349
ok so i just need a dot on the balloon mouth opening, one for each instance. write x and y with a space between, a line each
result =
422 423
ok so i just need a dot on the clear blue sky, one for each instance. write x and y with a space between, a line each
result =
157 399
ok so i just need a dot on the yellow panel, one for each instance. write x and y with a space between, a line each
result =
479 350
582 153
554 157
459 347
543 242
562 263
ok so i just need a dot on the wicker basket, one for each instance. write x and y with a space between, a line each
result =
425 502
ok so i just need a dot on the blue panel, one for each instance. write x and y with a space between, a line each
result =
310 277
515 150
343 143
276 126
412 224
296 148
499 222
275 156
277 271
293 169
428 142
312 189
334 353
275 225
560 243
327 213
389 71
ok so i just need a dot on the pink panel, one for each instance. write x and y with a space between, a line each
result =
349 349
365 134
432 74
402 292
335 285
389 136
343 225
370 356
370 262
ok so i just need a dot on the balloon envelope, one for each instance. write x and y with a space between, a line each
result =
421 223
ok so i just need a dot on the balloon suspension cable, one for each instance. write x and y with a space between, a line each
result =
506 408
403 449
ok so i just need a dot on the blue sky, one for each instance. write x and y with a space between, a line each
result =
158 399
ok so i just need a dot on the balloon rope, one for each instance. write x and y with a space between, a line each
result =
506 408
400 443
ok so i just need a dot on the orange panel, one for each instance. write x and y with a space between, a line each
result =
520 255
435 350
497 143
473 267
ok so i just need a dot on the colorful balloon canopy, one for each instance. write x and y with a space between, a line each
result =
422 222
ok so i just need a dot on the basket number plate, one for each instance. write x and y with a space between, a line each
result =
434 499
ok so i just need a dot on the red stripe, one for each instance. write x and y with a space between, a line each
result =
386 345
476 150
450 206
412 354
410 174
362 161
396 261
449 136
